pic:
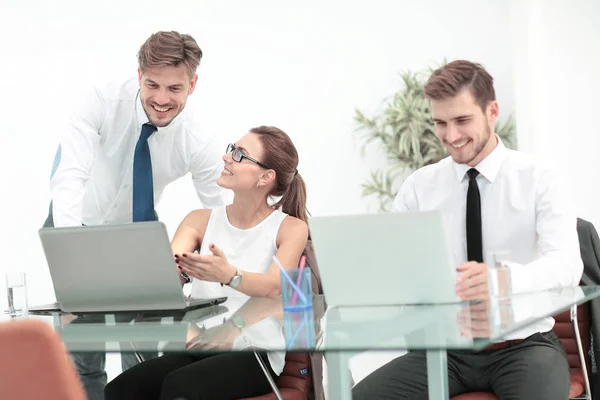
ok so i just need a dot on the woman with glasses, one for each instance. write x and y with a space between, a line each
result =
236 246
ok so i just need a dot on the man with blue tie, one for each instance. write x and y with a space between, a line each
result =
129 140
124 145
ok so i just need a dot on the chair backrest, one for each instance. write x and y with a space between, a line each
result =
311 261
296 375
564 330
316 359
35 364
294 383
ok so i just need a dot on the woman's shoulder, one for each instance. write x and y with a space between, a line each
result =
199 215
294 222
292 228
198 220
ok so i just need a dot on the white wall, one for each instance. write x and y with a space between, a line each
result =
303 67
556 59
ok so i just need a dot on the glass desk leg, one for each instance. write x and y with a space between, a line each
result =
339 379
56 322
437 374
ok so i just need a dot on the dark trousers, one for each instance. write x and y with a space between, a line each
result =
535 368
220 376
91 365
49 223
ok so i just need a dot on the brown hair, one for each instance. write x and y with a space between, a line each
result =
280 155
170 49
452 78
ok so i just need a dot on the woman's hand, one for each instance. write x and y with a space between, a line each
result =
207 267
220 337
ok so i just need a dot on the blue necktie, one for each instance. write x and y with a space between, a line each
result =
56 162
143 189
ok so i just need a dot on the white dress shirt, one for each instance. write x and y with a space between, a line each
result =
93 182
250 250
524 214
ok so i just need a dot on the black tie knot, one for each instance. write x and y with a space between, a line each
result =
472 173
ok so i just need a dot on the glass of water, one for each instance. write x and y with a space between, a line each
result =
16 288
496 262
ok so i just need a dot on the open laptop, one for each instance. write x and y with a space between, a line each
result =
384 259
111 268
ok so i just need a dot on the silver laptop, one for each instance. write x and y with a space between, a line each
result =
127 267
384 259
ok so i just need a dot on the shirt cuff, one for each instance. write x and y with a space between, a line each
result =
519 278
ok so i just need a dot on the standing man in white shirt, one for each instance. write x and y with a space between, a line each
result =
123 146
494 200
129 140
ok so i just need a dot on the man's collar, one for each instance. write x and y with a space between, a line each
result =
139 109
488 167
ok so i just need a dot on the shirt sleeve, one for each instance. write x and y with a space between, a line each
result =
559 264
78 145
206 166
406 199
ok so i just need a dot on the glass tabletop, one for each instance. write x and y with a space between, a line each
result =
243 324
468 325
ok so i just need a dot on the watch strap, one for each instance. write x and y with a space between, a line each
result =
185 277
237 273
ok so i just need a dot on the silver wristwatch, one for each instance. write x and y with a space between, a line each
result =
237 321
236 280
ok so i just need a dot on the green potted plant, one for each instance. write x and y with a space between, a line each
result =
405 132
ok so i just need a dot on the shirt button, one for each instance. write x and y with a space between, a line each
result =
126 186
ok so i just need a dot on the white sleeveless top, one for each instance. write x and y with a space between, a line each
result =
250 250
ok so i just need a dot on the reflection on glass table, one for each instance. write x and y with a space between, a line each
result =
437 328
240 325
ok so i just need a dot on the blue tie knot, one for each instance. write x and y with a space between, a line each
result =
147 131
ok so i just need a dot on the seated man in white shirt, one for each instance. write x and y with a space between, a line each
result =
124 145
494 200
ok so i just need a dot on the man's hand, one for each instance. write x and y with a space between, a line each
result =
474 320
472 281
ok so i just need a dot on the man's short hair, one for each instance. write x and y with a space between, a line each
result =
452 78
170 49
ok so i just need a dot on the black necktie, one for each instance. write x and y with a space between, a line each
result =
474 242
143 188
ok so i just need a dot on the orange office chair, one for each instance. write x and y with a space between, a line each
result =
35 364
291 383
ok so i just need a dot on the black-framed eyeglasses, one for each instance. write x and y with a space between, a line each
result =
238 156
